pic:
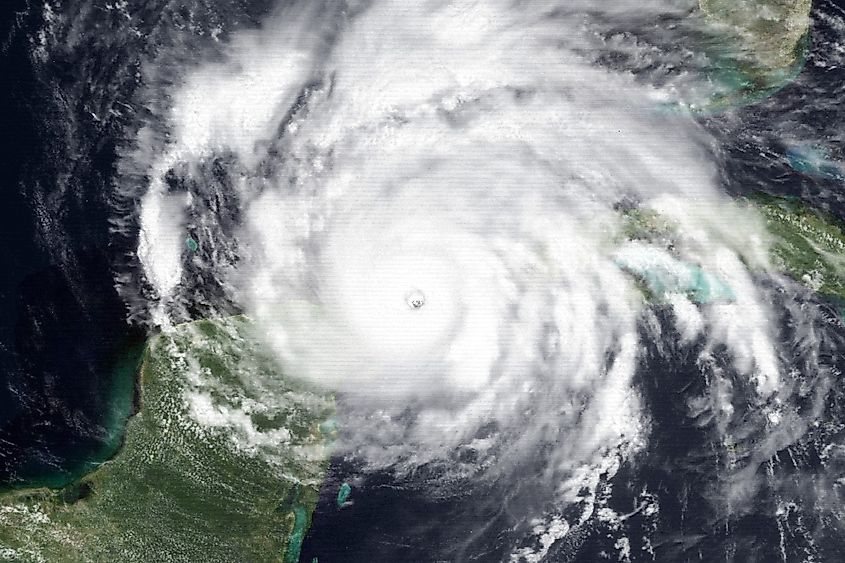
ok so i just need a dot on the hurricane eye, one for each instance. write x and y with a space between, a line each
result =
415 299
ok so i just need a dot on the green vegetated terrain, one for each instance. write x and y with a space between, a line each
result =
756 47
809 244
663 273
222 462
224 459
640 223
764 31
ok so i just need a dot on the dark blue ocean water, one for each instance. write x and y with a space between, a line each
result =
63 333
67 353
390 519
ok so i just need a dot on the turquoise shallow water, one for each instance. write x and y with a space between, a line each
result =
343 494
815 160
742 86
699 286
120 405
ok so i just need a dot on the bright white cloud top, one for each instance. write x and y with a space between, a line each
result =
431 200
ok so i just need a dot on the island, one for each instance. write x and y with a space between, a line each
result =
224 458
807 244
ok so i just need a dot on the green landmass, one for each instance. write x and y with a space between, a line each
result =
639 223
809 244
765 32
224 459
222 462
756 46
663 273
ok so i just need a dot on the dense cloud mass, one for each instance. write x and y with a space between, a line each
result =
431 210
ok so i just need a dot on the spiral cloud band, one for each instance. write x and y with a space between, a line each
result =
436 203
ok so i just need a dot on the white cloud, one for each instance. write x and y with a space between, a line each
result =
463 152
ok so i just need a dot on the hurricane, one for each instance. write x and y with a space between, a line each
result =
478 236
